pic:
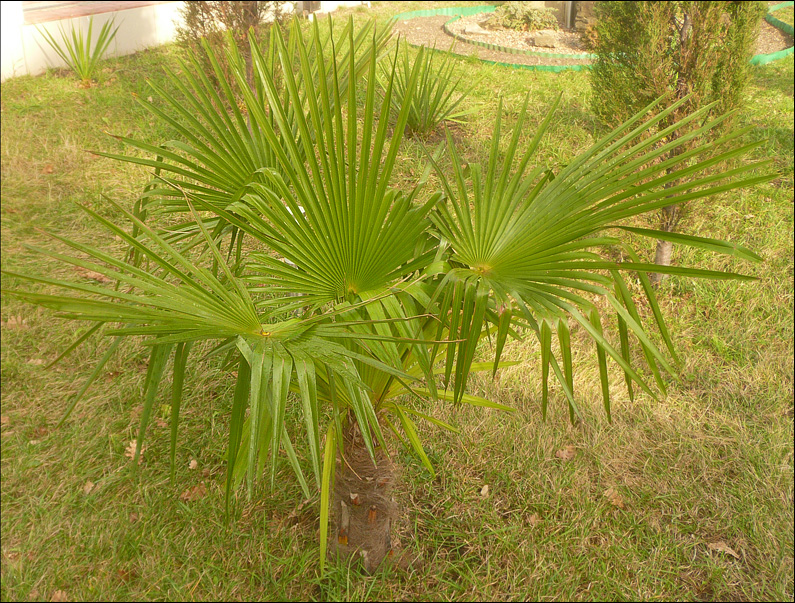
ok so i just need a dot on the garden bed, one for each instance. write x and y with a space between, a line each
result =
567 41
771 39
465 34
429 31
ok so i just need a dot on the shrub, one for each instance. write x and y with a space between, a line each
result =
694 50
518 15
395 288
208 22
431 101
76 50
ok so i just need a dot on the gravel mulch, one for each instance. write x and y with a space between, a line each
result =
427 31
771 39
566 41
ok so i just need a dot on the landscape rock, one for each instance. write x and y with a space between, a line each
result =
475 29
544 39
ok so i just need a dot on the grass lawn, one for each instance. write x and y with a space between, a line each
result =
685 498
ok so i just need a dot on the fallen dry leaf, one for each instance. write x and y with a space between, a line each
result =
96 276
133 517
36 361
129 452
614 497
16 322
205 472
297 510
88 487
534 519
12 557
722 547
194 464
59 595
484 491
194 493
126 575
566 453
48 169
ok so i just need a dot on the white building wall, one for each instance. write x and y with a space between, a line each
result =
328 6
25 51
12 57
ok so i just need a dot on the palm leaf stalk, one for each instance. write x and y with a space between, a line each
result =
369 298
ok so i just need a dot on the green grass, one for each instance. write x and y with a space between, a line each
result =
785 14
711 462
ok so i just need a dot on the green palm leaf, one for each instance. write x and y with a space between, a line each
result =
532 241
431 97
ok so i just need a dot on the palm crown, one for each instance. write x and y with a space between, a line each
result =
362 296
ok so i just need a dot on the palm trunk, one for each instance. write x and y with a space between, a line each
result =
362 507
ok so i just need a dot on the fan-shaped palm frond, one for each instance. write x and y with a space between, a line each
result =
528 239
220 148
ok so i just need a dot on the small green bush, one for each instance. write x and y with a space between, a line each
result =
649 49
519 16
208 21
77 51
433 97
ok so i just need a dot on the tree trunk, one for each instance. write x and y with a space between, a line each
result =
669 219
362 506
669 216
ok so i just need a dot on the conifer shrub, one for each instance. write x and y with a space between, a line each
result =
698 50
648 49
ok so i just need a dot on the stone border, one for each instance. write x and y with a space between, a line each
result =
456 12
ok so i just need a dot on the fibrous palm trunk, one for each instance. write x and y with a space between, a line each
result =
362 506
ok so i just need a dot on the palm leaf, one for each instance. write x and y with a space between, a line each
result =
532 241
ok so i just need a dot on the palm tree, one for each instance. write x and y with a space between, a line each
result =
362 297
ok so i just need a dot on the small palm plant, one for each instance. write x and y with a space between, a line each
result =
77 51
368 298
435 97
